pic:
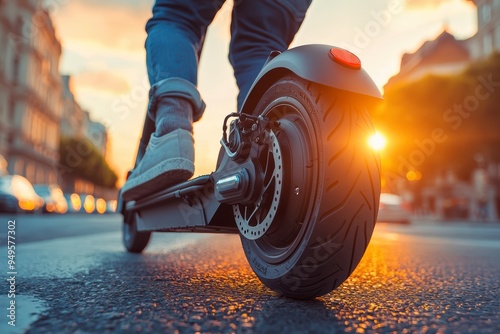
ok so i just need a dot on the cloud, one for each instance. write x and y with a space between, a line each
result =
417 4
113 24
102 81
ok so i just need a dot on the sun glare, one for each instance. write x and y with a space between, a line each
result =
377 141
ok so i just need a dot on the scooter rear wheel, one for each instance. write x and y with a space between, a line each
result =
324 210
133 240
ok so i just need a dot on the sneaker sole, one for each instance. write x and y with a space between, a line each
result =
165 174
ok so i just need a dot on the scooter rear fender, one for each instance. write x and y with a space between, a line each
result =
313 63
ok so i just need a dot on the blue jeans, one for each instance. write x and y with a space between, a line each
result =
175 40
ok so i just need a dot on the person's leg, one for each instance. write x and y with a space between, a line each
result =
175 38
257 28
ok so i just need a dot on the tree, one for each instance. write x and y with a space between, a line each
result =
442 123
80 158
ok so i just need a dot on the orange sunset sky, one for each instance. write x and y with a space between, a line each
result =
103 49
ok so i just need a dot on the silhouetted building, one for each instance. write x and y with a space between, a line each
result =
487 38
74 120
5 31
447 55
30 100
442 56
37 105
98 135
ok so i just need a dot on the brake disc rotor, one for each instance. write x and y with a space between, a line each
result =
253 221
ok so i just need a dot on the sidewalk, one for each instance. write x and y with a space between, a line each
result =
434 219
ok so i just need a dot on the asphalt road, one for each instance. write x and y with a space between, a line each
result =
73 276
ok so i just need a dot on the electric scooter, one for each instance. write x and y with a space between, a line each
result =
295 176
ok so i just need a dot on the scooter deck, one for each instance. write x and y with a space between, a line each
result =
190 207
178 190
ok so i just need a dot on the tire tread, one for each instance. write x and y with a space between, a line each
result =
348 204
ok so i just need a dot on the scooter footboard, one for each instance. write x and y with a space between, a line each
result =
188 207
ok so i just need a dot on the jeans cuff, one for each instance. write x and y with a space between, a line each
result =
179 88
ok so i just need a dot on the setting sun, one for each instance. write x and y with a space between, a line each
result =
377 141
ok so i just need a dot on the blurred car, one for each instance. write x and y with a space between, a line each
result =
85 203
393 209
53 198
456 208
111 206
3 166
100 206
17 195
88 203
74 202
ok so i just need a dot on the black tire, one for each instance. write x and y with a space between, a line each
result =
133 240
331 188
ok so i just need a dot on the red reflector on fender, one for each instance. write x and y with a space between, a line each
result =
345 58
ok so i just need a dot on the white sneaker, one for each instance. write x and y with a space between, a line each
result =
168 160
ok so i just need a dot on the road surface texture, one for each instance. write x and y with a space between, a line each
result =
74 277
